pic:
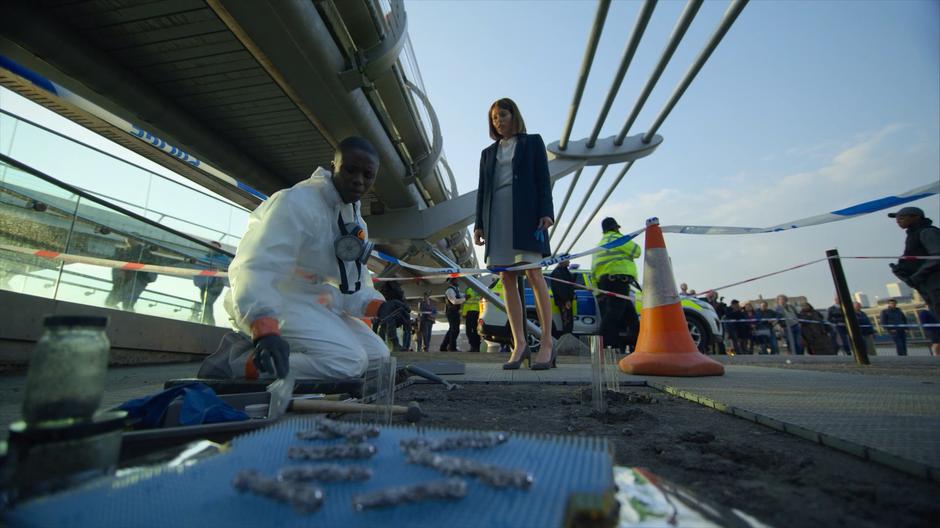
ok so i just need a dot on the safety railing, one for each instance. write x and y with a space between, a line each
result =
59 242
753 333
175 203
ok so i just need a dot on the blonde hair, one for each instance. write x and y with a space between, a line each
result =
518 124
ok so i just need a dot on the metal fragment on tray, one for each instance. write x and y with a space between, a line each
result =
315 434
439 489
305 498
470 441
324 473
325 429
327 452
492 475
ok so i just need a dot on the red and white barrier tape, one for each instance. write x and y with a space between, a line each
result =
588 288
116 264
771 274
190 272
910 257
791 268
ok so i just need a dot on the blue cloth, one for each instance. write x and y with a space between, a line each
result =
200 406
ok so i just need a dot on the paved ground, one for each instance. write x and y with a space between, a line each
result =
893 420
888 411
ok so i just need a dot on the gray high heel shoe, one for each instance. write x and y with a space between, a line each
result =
514 365
548 364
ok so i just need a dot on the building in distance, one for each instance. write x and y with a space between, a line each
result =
898 290
861 298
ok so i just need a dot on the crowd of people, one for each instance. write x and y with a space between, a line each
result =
805 330
460 304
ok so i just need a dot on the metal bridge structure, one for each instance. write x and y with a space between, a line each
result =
248 97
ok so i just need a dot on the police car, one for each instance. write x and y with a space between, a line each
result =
704 323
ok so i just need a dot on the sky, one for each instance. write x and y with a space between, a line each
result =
804 108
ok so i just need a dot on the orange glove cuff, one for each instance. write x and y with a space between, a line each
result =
372 309
264 326
251 372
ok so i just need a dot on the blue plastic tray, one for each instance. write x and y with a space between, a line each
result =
202 495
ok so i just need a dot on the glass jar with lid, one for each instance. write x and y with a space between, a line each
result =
67 370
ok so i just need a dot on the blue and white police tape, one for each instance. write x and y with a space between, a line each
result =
147 137
864 208
545 262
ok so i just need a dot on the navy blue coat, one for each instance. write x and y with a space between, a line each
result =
531 193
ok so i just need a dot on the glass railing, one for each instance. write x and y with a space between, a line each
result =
106 170
59 242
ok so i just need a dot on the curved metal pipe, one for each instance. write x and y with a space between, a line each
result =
602 7
306 26
600 204
597 178
453 181
685 20
731 14
426 166
642 20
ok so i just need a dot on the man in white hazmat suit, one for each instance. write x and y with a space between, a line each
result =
299 284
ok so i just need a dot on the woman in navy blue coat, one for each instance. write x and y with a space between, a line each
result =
513 214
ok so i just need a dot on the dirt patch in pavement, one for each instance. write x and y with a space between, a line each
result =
778 478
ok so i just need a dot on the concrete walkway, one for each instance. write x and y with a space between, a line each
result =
888 412
886 419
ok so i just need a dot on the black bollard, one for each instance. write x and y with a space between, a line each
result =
848 311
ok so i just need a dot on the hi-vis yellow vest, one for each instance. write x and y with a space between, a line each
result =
498 289
616 261
472 304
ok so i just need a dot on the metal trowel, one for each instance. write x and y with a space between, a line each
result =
282 389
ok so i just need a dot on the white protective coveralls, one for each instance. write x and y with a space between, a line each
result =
285 268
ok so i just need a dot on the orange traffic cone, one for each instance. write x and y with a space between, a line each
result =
664 347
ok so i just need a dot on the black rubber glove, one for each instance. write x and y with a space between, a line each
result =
271 353
394 312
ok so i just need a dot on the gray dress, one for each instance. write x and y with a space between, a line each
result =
499 239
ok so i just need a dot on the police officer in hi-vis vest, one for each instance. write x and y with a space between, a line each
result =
470 310
614 270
